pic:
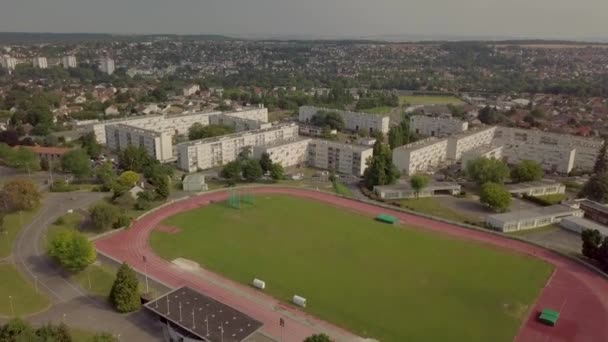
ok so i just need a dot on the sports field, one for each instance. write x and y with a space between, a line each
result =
429 100
391 283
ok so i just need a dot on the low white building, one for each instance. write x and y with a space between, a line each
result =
436 126
420 156
207 153
533 218
342 158
40 62
579 224
404 190
539 188
353 121
194 182
485 151
287 153
158 144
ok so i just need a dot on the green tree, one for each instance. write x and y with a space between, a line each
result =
318 338
16 330
90 145
24 159
124 295
20 194
489 116
72 250
103 337
483 170
419 182
103 215
277 172
601 162
231 172
596 188
265 162
380 168
54 333
106 176
133 158
496 196
527 171
129 178
252 171
161 186
198 131
592 240
76 162
395 137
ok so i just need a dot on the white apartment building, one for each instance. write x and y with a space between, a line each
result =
460 143
353 121
259 113
146 122
107 65
238 123
342 158
40 62
190 90
68 62
157 144
520 144
485 151
420 156
287 153
207 153
9 63
437 126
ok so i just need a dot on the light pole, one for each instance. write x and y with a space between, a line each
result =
180 311
167 305
89 277
193 321
207 323
222 331
36 283
146 272
10 299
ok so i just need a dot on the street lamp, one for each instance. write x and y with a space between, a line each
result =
207 322
10 299
36 283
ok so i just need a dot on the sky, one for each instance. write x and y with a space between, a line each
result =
432 19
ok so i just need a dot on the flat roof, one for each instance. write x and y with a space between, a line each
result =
595 205
433 186
236 325
535 213
284 142
587 224
531 185
197 178
236 135
421 144
357 148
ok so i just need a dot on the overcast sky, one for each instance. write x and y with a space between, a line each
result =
329 18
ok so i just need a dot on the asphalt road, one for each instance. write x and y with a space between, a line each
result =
70 303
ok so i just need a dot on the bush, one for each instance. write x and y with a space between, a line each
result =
124 295
546 200
104 215
61 186
72 250
122 221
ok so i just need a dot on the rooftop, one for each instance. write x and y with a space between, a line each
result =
330 143
236 135
196 178
432 186
530 185
535 213
48 150
202 316
587 224
420 144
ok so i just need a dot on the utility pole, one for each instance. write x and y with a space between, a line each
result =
207 323
180 311
146 272
193 321
10 299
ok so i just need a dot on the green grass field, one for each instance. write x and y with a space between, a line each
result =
25 298
101 280
430 206
13 223
378 110
429 100
391 283
342 189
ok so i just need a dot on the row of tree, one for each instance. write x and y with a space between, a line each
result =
251 170
595 247
17 330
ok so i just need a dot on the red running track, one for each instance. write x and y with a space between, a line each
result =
579 293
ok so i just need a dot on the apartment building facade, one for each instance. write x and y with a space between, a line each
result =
207 153
420 156
68 62
287 153
107 65
342 158
157 144
437 126
40 62
9 63
485 151
464 142
353 121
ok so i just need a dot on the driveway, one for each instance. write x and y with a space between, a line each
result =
71 303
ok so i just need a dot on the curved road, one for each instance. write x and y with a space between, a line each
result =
70 303
579 293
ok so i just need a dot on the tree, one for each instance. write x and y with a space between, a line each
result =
76 162
380 168
496 196
395 137
54 333
90 145
15 330
601 162
252 171
24 159
231 172
103 337
265 162
161 183
483 170
198 131
103 215
124 295
596 188
20 194
133 158
277 172
527 171
419 182
72 250
129 178
106 176
318 338
592 239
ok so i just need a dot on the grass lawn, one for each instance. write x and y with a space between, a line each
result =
342 189
25 298
429 100
391 283
101 277
378 110
430 206
554 198
79 335
12 225
525 232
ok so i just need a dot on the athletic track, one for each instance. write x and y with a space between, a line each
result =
580 294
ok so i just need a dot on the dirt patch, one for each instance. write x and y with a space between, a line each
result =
167 229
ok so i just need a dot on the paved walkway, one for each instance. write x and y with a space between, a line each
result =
574 289
70 302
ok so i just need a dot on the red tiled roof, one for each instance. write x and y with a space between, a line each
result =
48 150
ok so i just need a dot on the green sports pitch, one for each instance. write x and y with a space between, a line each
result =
430 100
390 282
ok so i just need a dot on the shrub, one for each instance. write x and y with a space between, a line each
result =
122 221
61 186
